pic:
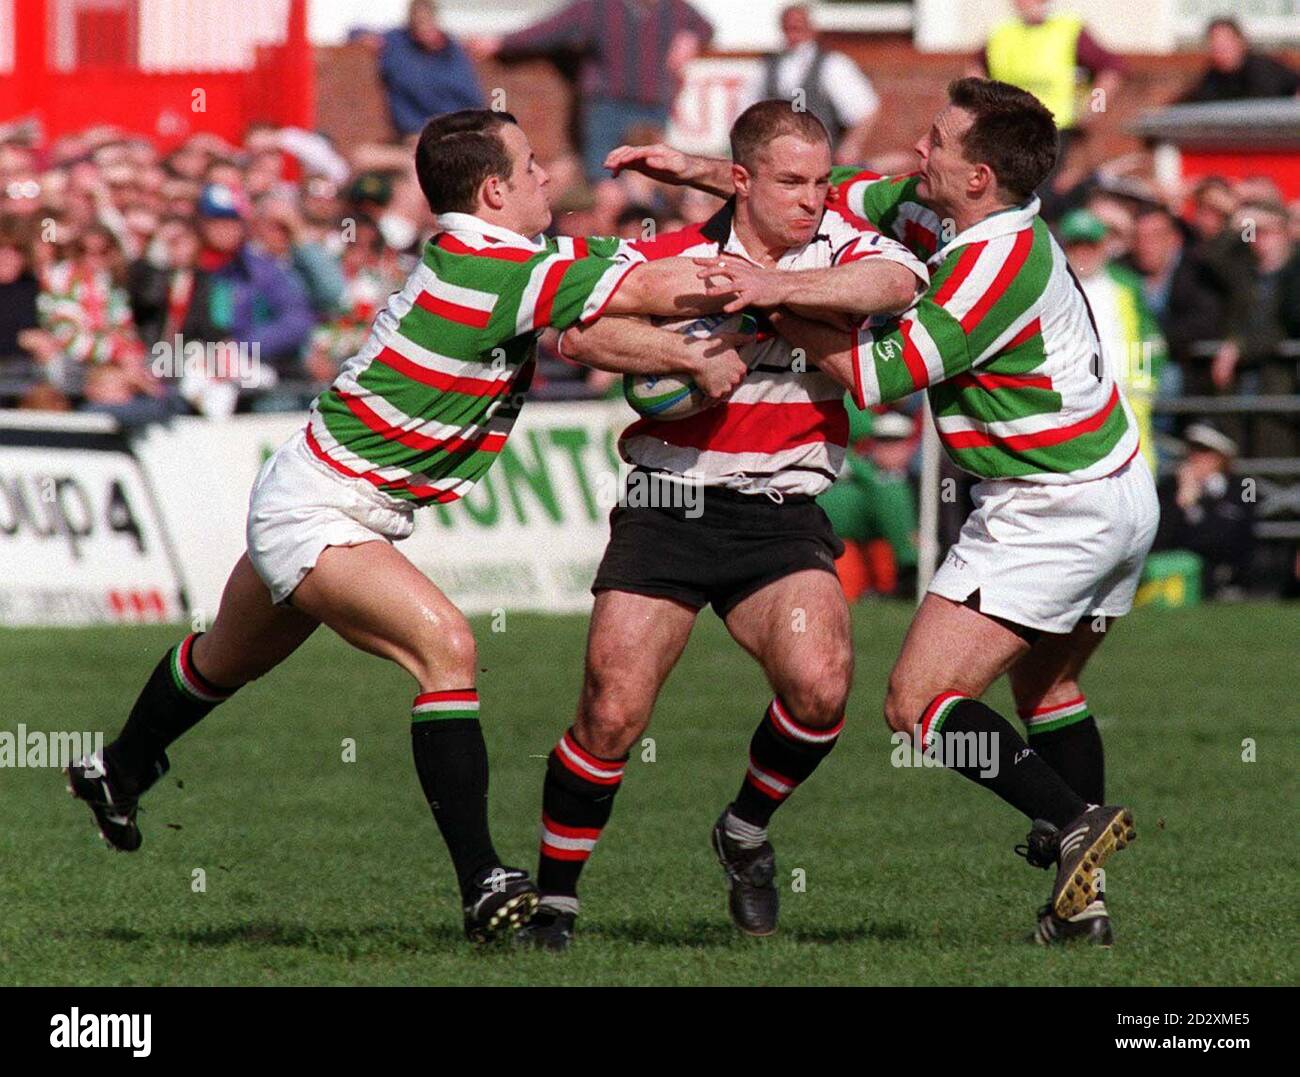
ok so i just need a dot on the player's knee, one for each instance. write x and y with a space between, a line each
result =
609 718
450 652
902 711
818 698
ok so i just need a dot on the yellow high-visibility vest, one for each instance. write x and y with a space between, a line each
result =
1042 59
1138 370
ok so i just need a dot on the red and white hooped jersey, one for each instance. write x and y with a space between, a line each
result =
782 431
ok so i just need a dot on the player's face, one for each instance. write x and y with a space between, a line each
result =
786 193
945 172
528 197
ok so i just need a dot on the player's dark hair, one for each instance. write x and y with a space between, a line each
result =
759 124
456 152
1012 132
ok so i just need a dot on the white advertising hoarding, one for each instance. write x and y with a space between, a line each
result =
81 537
95 527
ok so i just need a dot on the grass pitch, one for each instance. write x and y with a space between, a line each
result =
320 871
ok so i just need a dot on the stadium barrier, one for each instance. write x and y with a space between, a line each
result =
102 525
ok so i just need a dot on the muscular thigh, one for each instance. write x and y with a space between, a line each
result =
373 597
633 643
1048 674
250 635
948 648
798 629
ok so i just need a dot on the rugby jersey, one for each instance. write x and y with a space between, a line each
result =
784 430
1003 339
423 409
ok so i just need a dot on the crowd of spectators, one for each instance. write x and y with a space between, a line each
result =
116 258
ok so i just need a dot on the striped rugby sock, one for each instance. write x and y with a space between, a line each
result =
452 764
1066 736
174 699
577 799
977 742
782 753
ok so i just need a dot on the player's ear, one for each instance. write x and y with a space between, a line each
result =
492 192
981 179
740 178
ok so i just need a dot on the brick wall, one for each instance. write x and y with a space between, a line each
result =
350 98
351 106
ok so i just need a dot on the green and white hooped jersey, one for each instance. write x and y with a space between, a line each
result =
424 408
1002 339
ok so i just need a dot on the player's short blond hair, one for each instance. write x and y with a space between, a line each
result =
766 121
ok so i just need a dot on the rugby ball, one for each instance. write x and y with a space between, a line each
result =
670 396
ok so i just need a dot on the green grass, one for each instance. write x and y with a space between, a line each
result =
325 872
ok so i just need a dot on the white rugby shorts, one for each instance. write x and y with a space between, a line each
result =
300 505
1047 555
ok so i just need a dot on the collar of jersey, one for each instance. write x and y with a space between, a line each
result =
1003 223
467 222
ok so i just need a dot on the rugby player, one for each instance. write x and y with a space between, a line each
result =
415 418
752 542
1005 343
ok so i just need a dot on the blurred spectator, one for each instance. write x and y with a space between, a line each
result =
1203 510
370 273
872 506
1044 54
1188 296
1213 204
88 338
18 287
322 212
169 293
280 233
254 299
375 194
44 397
635 53
1132 345
84 306
1266 311
834 88
1119 216
1236 72
425 71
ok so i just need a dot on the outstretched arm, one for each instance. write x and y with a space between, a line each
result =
634 346
885 360
667 165
862 288
669 286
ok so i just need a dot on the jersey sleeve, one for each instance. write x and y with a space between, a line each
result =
895 357
888 202
852 244
978 300
867 194
572 283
